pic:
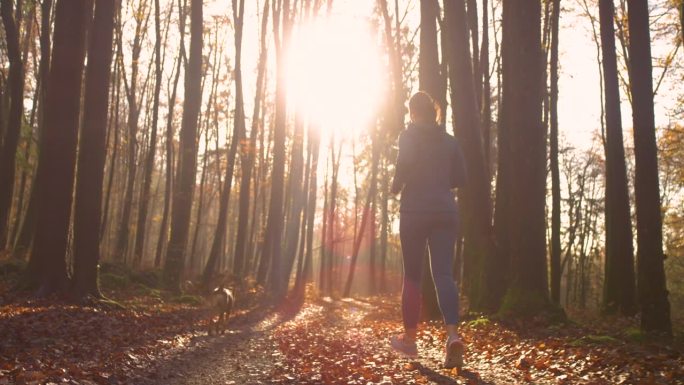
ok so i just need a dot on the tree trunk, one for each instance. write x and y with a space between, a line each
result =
429 71
655 307
298 198
20 191
553 148
92 151
471 9
475 199
358 238
163 227
113 126
384 226
58 146
133 114
193 258
218 244
619 280
523 143
139 243
486 91
273 247
26 232
15 118
307 268
195 261
248 153
187 164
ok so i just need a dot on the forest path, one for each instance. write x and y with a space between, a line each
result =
346 342
324 342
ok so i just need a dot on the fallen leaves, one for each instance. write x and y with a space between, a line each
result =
325 342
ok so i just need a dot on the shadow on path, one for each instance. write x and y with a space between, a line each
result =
470 377
243 355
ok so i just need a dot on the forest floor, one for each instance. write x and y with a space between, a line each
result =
160 339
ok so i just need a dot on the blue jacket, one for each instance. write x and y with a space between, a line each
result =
429 166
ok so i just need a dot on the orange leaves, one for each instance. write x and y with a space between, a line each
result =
334 342
46 342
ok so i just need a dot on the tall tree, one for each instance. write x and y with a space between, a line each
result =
151 152
553 148
141 19
486 90
58 145
471 14
163 227
272 248
475 196
25 235
297 198
248 153
429 72
521 189
16 112
619 282
218 244
652 290
187 163
92 150
305 275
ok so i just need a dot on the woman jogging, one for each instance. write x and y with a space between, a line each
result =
429 166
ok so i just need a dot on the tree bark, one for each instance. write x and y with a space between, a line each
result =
92 151
15 118
429 71
523 143
113 126
248 153
25 237
169 184
475 196
652 290
139 243
187 164
273 247
471 14
58 145
619 281
297 198
358 239
553 148
218 244
306 273
133 114
486 91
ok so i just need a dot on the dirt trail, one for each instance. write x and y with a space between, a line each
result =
346 342
325 342
243 355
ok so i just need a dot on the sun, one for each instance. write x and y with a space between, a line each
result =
334 74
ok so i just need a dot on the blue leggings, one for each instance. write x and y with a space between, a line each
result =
438 231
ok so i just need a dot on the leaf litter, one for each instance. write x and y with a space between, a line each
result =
324 342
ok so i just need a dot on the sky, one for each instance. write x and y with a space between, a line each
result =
579 91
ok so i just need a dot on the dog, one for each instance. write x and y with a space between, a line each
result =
219 303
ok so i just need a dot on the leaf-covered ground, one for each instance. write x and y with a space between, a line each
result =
157 340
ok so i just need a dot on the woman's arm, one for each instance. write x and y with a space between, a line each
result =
403 163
